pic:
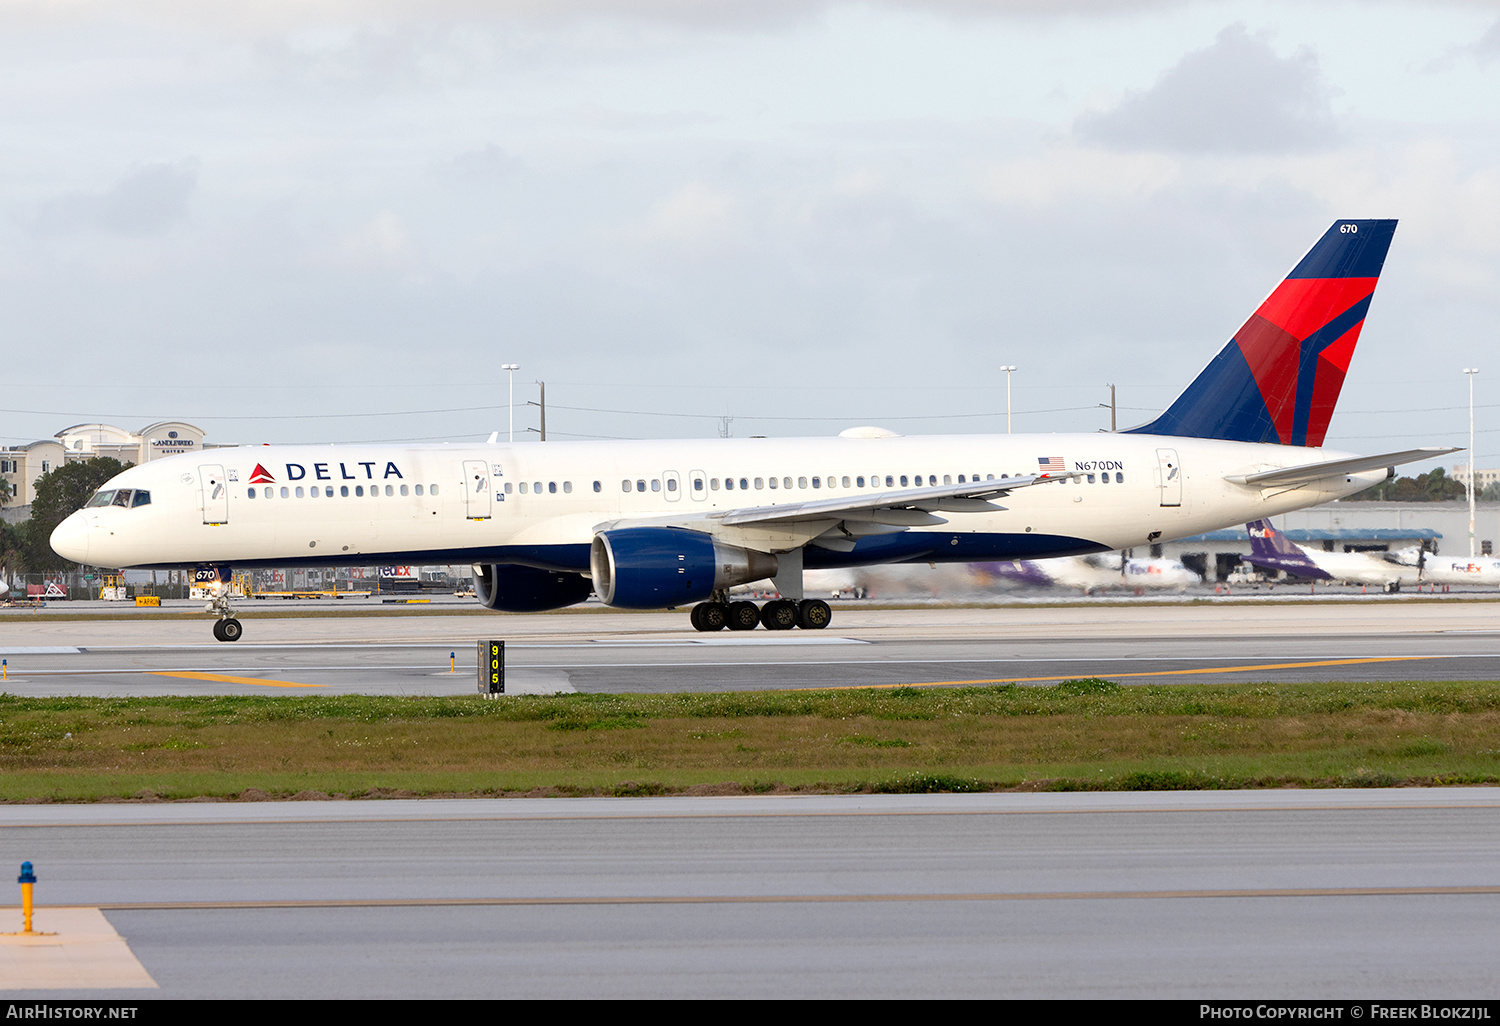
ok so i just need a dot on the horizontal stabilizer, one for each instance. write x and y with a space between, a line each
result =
1333 468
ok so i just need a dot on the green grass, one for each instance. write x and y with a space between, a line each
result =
1081 734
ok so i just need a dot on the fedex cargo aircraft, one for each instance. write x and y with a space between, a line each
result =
1272 550
661 524
1096 573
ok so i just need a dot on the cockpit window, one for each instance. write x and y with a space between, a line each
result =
127 497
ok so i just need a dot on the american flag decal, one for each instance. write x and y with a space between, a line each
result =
1047 464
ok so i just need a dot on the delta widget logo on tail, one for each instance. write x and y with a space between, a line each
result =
1280 375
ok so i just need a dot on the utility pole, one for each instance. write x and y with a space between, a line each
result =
1111 408
1471 371
543 407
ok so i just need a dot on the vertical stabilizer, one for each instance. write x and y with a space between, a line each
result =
1272 550
1279 377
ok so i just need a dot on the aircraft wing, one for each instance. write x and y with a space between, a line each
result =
909 507
1353 465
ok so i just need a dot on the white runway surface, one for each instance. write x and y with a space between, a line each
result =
1382 639
1201 895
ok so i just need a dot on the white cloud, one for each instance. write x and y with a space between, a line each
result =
148 201
1235 96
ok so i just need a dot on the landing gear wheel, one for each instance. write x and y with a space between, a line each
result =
813 614
228 630
780 615
743 616
709 616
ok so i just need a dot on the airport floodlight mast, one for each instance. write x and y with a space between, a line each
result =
1471 371
1008 369
512 368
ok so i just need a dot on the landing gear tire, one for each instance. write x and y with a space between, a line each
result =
780 615
743 616
709 616
228 629
813 614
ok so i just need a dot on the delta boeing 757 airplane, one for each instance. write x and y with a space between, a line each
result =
661 524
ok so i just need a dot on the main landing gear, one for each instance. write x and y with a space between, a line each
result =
778 615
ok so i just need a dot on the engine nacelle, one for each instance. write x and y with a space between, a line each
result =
655 567
525 589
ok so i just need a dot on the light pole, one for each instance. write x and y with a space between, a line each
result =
512 368
1008 369
1471 371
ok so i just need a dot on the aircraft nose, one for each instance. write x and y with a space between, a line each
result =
70 539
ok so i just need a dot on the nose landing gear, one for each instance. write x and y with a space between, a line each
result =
226 628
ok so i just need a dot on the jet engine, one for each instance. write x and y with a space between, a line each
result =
656 567
525 589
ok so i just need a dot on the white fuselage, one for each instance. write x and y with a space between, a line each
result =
1480 570
541 504
1361 568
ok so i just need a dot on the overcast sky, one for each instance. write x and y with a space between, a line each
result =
330 221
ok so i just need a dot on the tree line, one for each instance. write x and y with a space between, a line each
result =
24 547
1433 486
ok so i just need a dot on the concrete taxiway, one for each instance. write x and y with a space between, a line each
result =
592 651
1267 894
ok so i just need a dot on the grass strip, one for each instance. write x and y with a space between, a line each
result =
1081 734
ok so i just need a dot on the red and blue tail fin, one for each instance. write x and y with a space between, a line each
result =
1279 377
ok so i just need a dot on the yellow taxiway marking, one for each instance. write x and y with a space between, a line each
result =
1133 673
224 678
776 899
81 950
